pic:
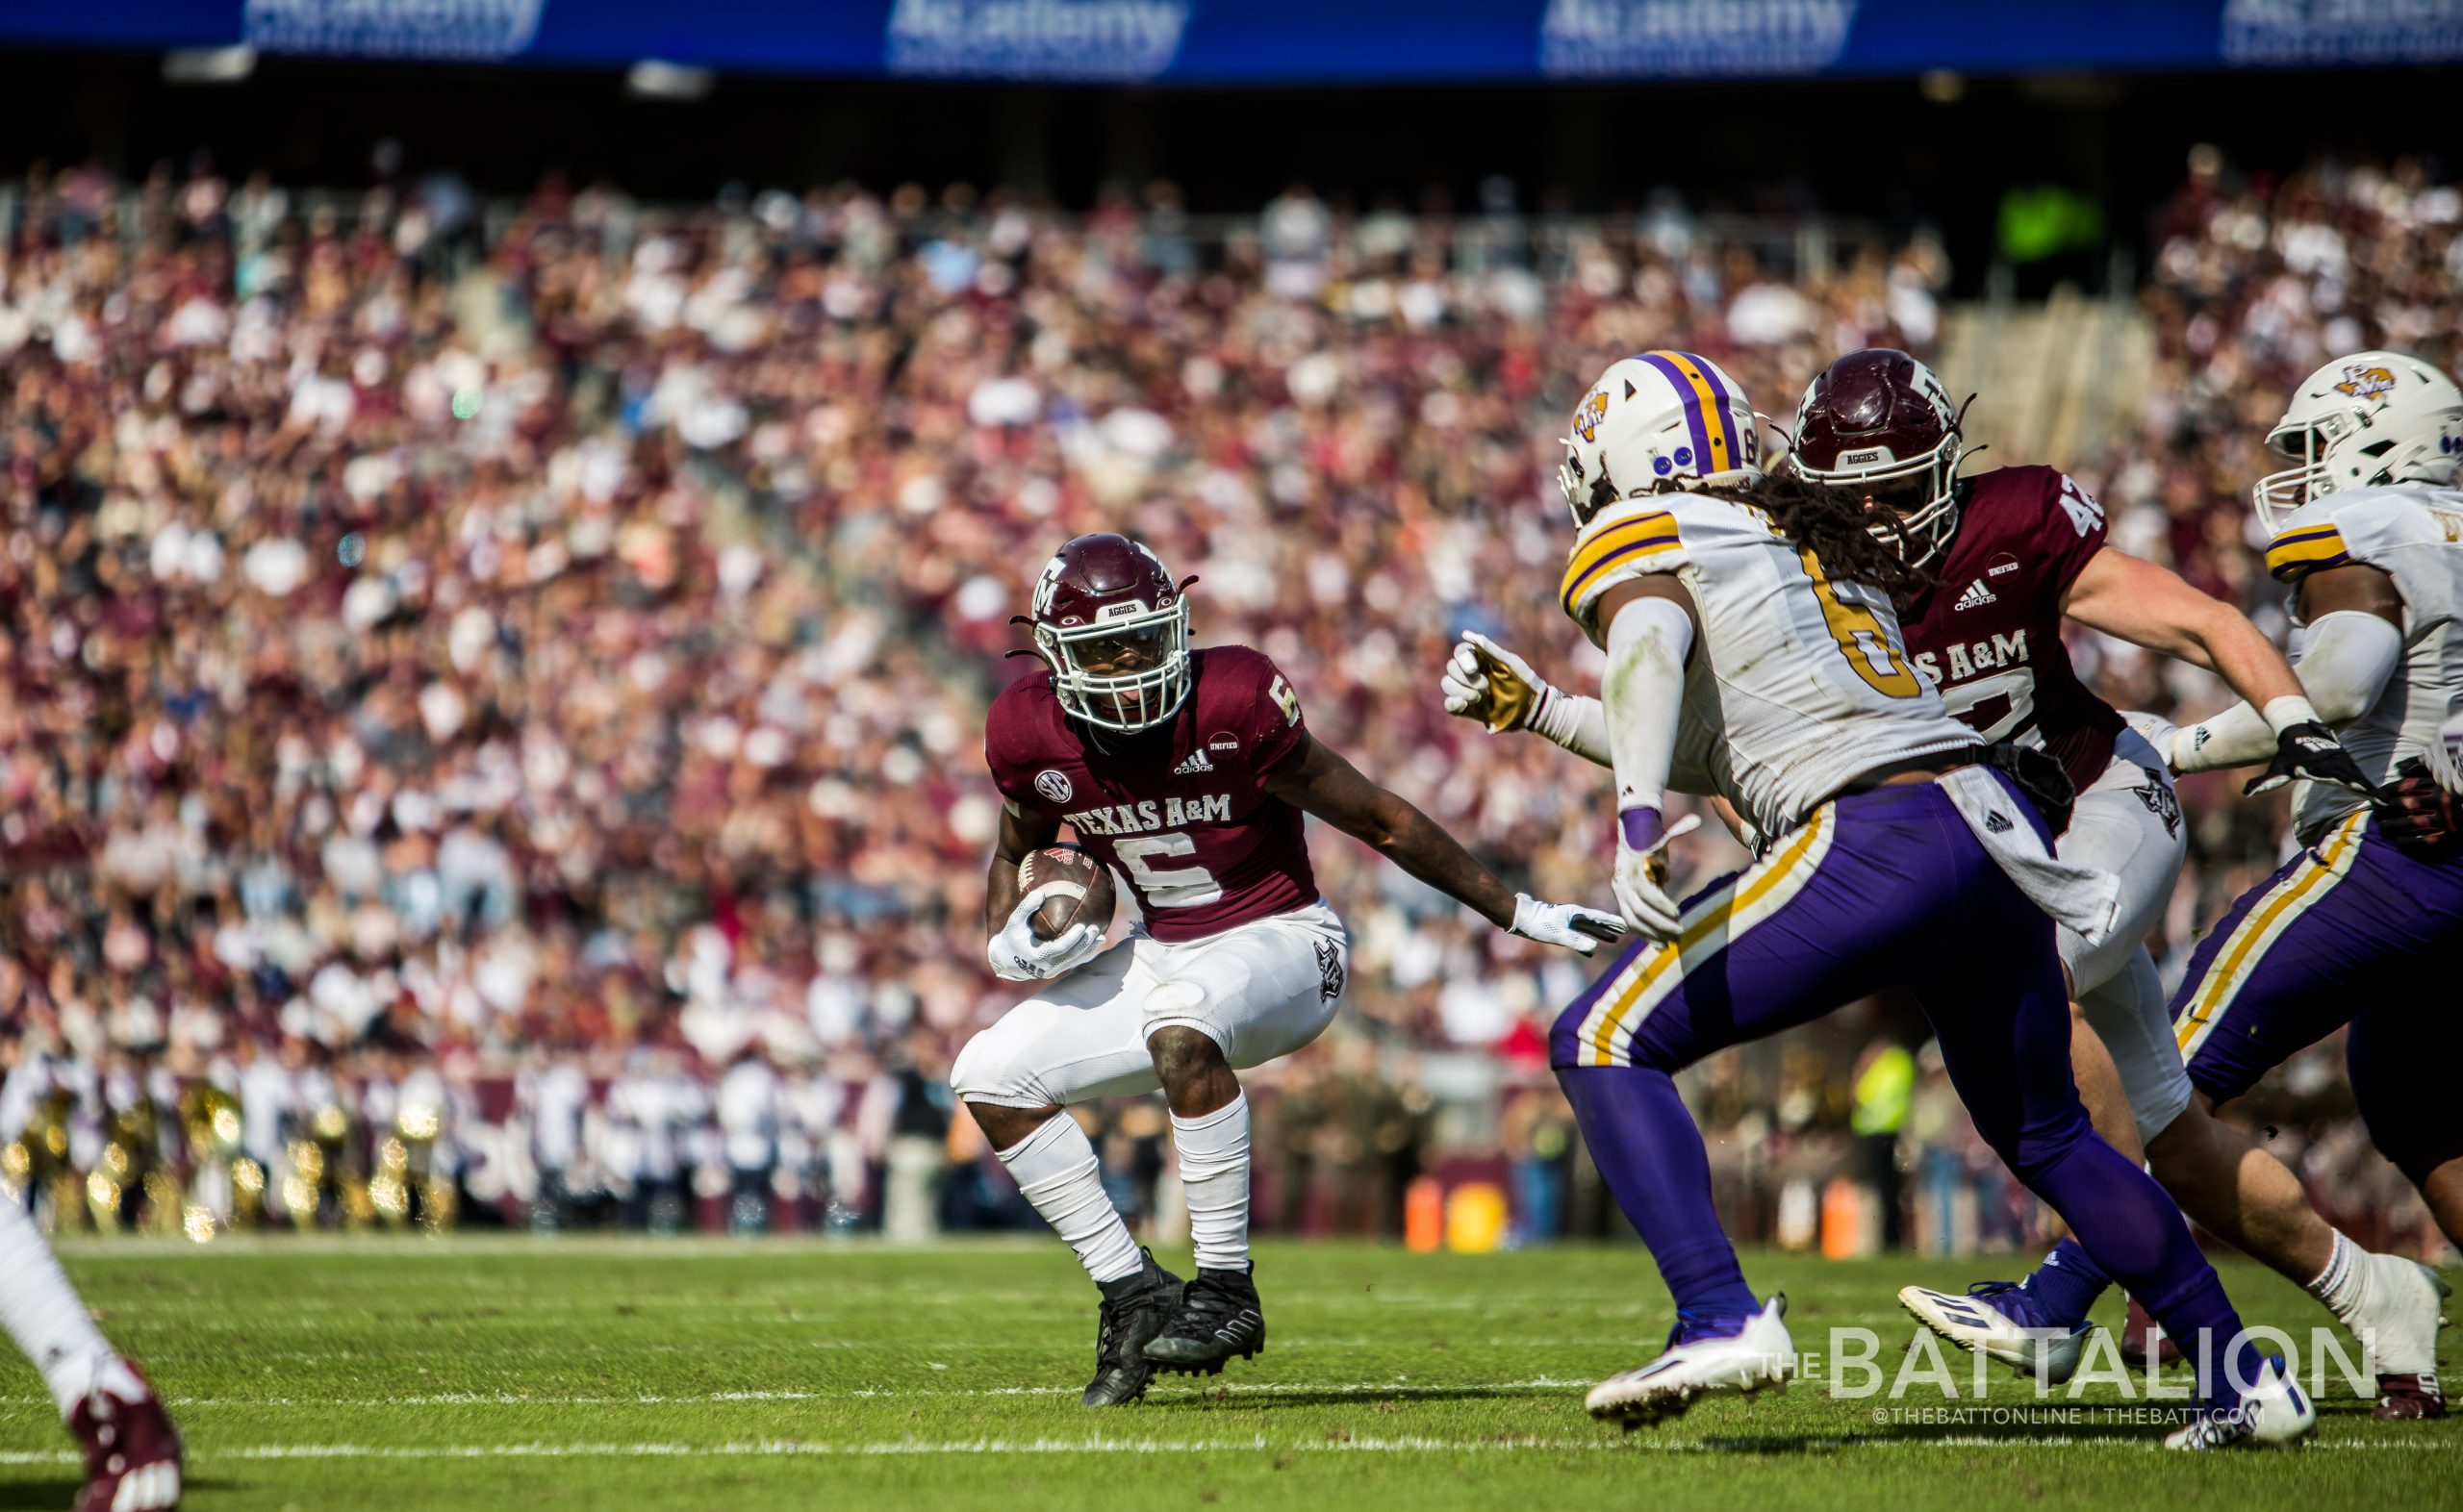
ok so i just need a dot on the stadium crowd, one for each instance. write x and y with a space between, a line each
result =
497 696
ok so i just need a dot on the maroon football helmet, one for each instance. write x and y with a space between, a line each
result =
1114 629
1878 424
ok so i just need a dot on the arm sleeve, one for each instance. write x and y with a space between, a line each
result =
1645 691
2345 666
1575 722
2349 655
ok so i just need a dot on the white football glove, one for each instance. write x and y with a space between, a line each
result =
1483 681
1579 929
1641 873
1016 956
2446 756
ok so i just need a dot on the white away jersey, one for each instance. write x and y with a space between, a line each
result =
2414 534
1798 684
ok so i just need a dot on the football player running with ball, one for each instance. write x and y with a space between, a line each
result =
1753 655
1188 772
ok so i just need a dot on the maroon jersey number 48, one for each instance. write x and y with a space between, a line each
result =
1180 811
1987 632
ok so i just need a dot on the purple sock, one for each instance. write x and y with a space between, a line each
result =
1650 1154
2135 1234
2067 1284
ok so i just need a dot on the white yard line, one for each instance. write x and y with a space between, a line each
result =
789 1448
466 1398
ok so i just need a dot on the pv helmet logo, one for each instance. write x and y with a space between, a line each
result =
1588 414
2366 383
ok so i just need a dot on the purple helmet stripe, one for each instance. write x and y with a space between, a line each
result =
1692 398
1720 400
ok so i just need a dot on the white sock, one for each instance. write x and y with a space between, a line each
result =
48 1320
1215 1177
1056 1168
2345 1282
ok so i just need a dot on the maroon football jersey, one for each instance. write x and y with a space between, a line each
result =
1987 632
1180 811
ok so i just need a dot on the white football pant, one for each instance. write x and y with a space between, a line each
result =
1259 991
2129 823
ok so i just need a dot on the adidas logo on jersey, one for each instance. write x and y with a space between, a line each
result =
1196 764
1976 596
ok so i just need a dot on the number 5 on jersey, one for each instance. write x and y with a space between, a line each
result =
1167 887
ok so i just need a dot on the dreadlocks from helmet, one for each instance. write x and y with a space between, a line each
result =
1834 526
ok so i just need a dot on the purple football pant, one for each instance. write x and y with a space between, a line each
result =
2353 931
1882 890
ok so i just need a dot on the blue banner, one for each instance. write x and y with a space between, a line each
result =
1269 41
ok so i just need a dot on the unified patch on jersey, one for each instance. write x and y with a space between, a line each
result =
1054 786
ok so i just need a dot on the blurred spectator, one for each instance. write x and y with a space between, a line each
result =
532 663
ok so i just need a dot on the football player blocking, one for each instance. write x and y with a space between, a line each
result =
1876 421
2011 553
1753 656
1188 772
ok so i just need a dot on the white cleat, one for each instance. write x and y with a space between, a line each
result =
1758 1356
1977 1323
2275 1411
2397 1321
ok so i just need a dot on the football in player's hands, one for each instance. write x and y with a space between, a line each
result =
1077 888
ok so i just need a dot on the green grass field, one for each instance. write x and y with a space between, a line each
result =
700 1374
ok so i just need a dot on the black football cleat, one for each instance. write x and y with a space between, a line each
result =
1219 1318
1136 1309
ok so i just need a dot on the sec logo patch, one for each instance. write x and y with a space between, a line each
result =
1053 785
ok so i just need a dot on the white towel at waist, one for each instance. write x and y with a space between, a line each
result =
2083 899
